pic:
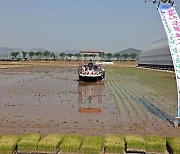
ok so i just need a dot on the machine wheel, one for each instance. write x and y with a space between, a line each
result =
103 75
176 123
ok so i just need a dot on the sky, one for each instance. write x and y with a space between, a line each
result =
109 25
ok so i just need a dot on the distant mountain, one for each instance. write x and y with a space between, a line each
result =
5 50
73 51
129 51
38 49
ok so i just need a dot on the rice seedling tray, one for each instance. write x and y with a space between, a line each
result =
50 144
114 144
112 153
69 152
135 143
71 143
37 152
26 152
173 145
155 144
92 145
8 144
29 143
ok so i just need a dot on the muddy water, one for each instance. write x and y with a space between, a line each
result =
51 100
46 99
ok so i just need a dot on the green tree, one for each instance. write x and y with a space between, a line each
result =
62 55
14 54
85 56
53 55
125 56
93 56
24 53
39 54
109 56
101 55
31 54
116 55
77 55
46 54
133 55
70 55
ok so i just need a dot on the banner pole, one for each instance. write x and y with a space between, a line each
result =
171 22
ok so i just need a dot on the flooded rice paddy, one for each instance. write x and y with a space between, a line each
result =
50 100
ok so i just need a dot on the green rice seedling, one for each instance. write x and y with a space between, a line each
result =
8 144
173 144
71 143
92 144
156 144
50 143
114 144
29 143
135 143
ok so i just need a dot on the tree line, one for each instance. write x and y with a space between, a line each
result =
133 56
47 55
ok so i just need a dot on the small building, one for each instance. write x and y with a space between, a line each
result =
156 55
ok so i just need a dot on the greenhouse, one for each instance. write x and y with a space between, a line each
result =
156 55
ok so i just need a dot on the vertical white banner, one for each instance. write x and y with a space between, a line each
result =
171 24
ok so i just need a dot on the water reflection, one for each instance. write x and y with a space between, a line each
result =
90 97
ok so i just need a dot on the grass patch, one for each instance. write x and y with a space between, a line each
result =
71 143
8 144
155 143
173 144
114 144
92 144
50 143
135 142
29 143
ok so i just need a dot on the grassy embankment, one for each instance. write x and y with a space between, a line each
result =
11 64
20 64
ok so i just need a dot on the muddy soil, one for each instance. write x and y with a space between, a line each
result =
50 100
